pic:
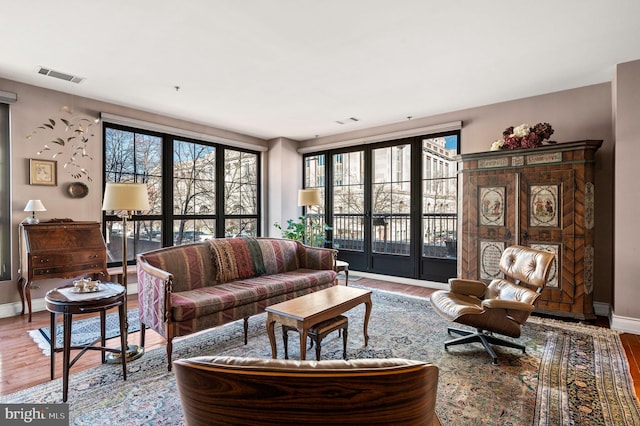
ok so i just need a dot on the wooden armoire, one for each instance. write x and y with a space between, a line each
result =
543 198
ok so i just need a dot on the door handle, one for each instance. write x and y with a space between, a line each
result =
525 235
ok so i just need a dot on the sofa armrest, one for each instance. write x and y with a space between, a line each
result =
316 257
154 295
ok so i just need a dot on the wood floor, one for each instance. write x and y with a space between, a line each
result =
23 365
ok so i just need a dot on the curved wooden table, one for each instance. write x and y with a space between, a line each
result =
306 311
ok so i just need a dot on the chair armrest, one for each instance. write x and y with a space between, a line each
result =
508 304
518 311
317 257
154 295
467 287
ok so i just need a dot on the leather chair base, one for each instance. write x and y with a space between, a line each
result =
483 337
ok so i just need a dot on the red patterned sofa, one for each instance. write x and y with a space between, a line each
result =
189 288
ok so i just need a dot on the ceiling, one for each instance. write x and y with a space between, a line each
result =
293 68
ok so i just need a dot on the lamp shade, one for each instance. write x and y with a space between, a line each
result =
35 206
309 197
125 196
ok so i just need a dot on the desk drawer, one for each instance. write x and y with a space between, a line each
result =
75 258
68 271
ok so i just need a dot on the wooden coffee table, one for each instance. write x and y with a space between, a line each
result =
308 310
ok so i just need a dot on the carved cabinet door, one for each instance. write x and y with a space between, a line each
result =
490 206
547 218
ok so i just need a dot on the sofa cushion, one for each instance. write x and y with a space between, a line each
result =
236 258
191 265
192 304
279 256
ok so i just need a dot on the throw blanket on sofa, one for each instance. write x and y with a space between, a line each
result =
237 258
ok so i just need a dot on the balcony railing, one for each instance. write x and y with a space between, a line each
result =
391 233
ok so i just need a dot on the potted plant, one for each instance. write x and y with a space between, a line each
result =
306 231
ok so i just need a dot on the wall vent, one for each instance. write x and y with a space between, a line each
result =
60 75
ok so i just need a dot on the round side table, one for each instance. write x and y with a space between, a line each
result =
342 266
67 301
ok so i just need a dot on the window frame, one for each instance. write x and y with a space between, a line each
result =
167 216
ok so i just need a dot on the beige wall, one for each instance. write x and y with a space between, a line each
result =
627 197
583 113
284 180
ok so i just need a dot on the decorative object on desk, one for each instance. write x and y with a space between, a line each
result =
523 136
77 135
42 172
77 190
34 206
86 285
124 199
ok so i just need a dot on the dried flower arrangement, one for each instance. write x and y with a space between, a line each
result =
523 136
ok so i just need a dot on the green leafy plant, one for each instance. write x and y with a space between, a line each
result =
306 230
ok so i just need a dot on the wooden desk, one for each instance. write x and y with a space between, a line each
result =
306 311
59 250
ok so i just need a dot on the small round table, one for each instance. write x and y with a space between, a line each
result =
67 301
342 266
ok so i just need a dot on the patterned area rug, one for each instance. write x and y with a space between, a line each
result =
571 374
84 331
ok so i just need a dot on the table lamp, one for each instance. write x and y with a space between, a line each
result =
124 199
34 206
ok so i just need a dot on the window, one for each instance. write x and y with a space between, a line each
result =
197 190
5 189
439 196
240 193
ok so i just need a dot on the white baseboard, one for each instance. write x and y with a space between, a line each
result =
13 309
400 280
624 324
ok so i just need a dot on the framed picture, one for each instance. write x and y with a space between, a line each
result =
42 172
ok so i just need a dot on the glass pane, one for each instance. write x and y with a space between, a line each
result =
240 183
194 180
439 197
314 171
391 200
188 231
244 227
348 201
141 236
119 153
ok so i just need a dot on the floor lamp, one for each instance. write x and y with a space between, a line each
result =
124 199
308 198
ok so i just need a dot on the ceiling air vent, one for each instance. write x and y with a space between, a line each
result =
348 120
60 75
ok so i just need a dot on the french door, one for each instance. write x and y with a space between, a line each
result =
392 205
